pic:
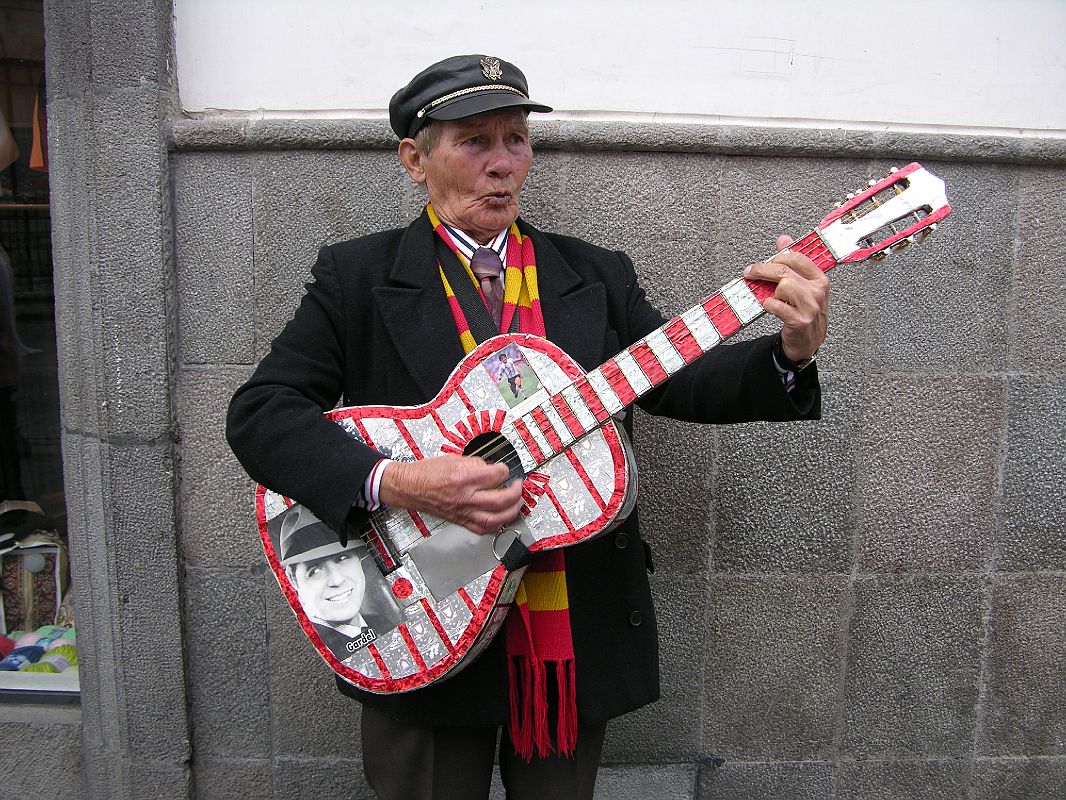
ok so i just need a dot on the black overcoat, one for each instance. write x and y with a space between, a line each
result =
375 328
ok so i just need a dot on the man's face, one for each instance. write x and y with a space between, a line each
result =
475 173
331 588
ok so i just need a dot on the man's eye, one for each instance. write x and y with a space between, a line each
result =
313 571
343 557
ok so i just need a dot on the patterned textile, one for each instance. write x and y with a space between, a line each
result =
538 628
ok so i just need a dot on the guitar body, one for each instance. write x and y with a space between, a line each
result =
430 594
436 593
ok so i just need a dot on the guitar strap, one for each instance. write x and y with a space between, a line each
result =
468 295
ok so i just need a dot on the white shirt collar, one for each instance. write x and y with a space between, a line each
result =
467 245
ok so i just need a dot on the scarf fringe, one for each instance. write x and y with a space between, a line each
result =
528 724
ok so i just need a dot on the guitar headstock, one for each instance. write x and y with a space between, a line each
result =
902 208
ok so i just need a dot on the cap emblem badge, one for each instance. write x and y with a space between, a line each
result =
490 67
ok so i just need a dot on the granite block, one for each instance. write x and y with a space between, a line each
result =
42 752
132 43
771 687
784 493
913 663
544 188
675 462
1019 779
219 778
645 781
213 258
229 664
941 307
765 197
1034 476
1037 327
146 610
1024 696
767 780
915 780
217 498
297 778
68 50
302 201
673 196
928 472
129 269
155 780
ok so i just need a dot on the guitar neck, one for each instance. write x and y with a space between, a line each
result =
590 401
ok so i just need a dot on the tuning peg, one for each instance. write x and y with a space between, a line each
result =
880 256
923 234
872 182
850 195
893 170
838 204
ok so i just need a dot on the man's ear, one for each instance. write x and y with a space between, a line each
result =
411 158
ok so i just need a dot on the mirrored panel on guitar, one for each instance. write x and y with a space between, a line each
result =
339 587
512 374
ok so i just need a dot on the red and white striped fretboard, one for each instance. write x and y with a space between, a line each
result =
587 403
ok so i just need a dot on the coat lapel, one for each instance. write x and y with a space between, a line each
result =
416 312
575 313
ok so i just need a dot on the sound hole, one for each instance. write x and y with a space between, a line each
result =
494 448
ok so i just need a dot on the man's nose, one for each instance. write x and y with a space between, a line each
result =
334 577
501 160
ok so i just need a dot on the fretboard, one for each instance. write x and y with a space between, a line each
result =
590 401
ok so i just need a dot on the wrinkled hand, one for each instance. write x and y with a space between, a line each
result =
462 489
801 300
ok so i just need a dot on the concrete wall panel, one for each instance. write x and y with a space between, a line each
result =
774 654
1038 328
929 470
913 662
1025 684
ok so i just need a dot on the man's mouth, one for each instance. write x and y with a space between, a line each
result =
340 598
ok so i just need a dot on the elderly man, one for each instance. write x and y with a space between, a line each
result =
382 324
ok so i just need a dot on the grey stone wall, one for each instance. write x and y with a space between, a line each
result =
867 606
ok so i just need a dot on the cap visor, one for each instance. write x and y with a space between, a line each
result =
479 103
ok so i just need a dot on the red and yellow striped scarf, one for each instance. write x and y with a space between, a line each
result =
538 628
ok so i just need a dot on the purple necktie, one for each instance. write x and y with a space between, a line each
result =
485 264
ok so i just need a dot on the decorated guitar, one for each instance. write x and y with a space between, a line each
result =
416 598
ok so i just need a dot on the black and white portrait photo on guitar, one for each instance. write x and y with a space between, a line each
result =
345 599
498 365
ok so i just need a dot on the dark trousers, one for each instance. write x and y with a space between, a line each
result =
416 762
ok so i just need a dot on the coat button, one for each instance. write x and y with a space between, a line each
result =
621 541
635 619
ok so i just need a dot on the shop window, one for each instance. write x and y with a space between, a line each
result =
38 656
